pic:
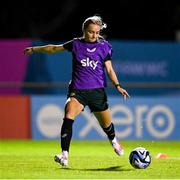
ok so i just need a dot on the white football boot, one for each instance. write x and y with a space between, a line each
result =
117 147
62 158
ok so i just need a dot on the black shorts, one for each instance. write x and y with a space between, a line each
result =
95 99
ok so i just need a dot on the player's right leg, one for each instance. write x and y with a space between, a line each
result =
72 109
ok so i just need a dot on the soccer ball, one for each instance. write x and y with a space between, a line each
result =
140 158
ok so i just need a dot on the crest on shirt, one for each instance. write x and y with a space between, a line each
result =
91 50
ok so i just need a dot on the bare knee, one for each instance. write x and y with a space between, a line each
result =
72 108
70 115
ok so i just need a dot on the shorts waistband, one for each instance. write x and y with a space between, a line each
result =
86 90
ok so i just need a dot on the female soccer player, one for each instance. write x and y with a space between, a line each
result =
91 56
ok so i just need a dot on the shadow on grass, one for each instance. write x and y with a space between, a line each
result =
113 168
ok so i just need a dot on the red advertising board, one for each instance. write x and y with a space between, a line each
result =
15 117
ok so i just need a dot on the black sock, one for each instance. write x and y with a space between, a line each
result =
110 131
66 134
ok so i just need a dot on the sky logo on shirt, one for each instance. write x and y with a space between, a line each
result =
89 63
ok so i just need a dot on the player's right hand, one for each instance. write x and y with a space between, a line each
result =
28 51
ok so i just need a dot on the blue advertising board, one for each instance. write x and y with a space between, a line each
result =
150 118
144 61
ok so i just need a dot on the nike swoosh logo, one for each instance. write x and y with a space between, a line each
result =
64 135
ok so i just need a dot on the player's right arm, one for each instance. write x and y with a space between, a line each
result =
50 48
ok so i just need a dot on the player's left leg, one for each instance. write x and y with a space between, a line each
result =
104 118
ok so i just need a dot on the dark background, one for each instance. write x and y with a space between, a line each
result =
62 20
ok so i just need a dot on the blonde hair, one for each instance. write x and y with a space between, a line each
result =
93 20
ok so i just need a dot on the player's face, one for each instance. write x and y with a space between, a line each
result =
92 33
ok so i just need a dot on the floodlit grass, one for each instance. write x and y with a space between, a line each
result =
88 160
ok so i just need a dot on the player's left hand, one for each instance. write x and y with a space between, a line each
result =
124 93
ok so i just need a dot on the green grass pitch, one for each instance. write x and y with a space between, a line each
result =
88 160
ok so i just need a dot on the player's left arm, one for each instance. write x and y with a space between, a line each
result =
113 77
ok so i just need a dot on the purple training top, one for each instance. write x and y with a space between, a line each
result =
88 63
